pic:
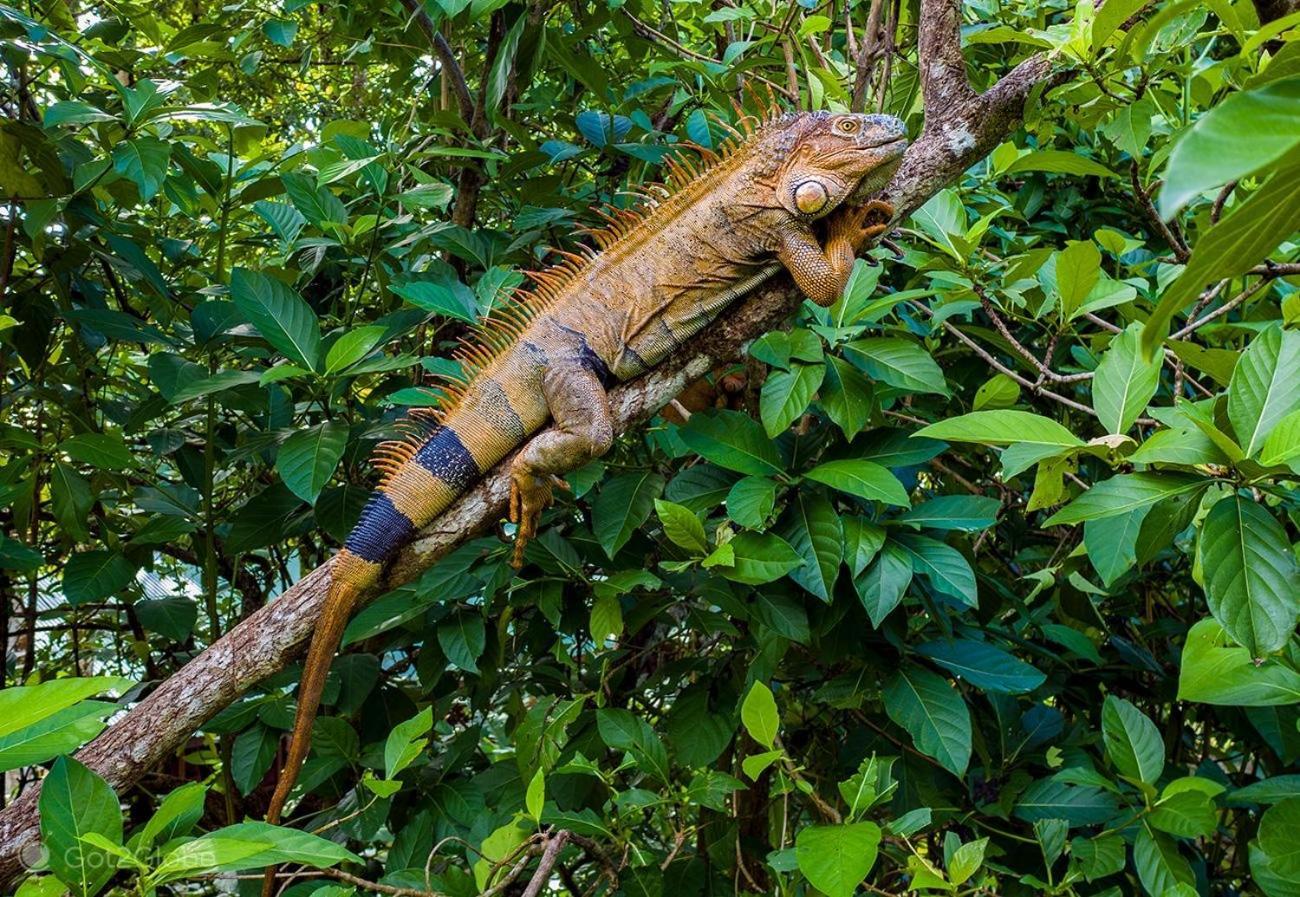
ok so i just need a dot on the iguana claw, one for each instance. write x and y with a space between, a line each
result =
851 224
530 495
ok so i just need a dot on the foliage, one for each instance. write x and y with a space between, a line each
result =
985 584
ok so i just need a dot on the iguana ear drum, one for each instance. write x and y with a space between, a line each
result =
810 197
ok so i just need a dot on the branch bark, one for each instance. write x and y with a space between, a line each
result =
955 137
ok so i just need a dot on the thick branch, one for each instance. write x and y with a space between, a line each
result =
944 83
269 639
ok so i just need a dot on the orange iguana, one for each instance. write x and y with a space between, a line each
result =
662 273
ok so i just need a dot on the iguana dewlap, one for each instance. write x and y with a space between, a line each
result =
661 275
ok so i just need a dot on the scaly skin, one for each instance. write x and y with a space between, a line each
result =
663 274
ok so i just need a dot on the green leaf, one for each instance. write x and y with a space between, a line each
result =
865 479
734 441
1279 836
248 845
1059 162
967 513
353 346
898 362
1232 247
1132 741
1125 493
681 526
75 802
813 529
998 392
308 458
881 586
102 450
966 860
944 567
1111 543
26 705
1160 867
95 575
983 665
1078 267
462 639
144 161
1186 814
280 315
405 742
622 505
1250 575
251 757
172 617
1283 443
280 31
933 713
836 858
846 396
1098 857
1265 387
1213 671
1076 804
786 395
176 815
1125 381
1002 427
1240 135
759 558
317 204
751 500
759 714
535 796
60 732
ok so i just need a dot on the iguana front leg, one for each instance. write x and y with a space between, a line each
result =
583 430
821 273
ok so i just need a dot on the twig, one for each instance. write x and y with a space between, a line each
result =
1180 250
544 866
1222 309
446 59
394 890
987 304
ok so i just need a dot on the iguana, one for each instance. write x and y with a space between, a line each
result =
661 274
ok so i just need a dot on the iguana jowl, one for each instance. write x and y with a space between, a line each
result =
662 274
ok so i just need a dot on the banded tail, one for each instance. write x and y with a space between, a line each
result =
424 474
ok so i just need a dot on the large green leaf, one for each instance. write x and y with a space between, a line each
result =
1132 741
865 479
1125 493
248 845
835 858
1125 381
944 567
1002 427
933 713
144 161
1232 247
881 585
734 441
1279 836
61 732
1215 671
622 505
983 665
1250 575
279 314
898 362
1265 387
75 802
786 394
813 529
308 458
1160 866
95 575
759 715
25 705
1242 134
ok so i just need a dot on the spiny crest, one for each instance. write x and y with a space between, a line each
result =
495 334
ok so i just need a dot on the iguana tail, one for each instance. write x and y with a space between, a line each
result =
423 475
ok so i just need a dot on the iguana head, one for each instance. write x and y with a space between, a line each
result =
827 158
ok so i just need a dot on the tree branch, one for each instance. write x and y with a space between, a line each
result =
954 139
447 61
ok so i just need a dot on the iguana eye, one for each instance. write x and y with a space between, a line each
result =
810 197
848 126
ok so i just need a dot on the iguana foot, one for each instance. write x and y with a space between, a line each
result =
860 225
530 495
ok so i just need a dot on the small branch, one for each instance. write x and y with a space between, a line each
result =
1179 248
1222 309
365 884
540 878
446 59
987 304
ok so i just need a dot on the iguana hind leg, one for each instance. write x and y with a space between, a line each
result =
583 430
